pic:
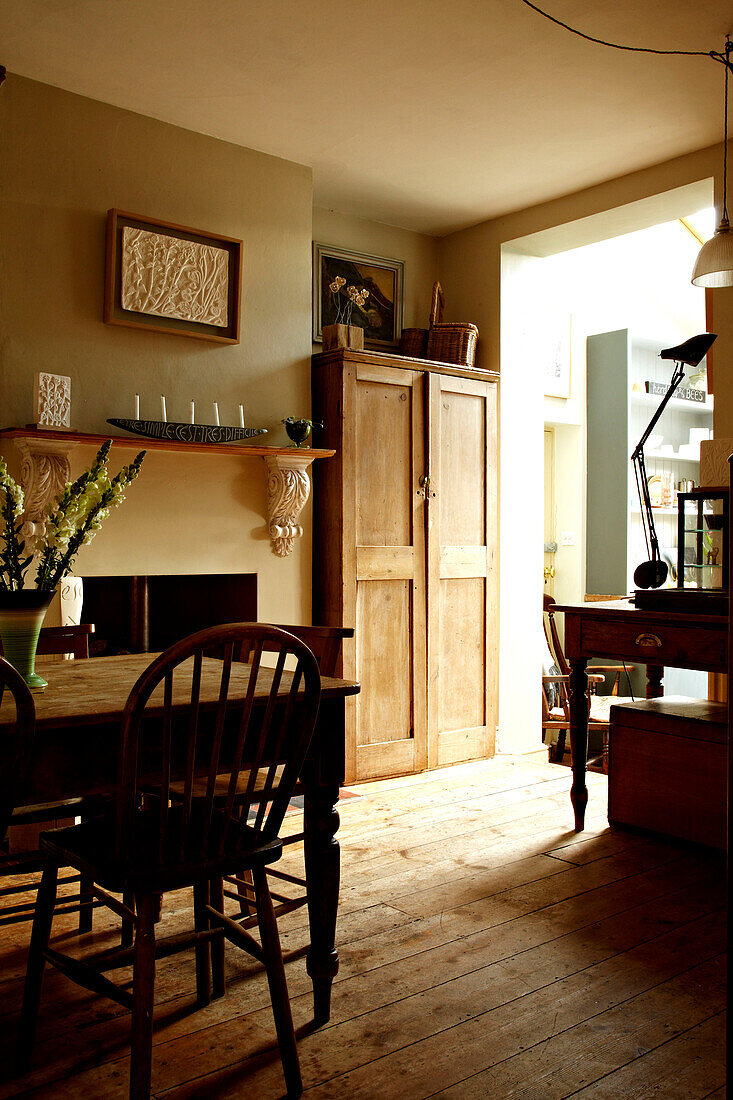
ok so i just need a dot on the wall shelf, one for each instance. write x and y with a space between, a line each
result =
675 457
46 467
652 401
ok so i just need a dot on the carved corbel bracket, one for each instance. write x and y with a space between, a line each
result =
288 488
44 471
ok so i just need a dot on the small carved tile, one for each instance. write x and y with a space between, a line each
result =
52 400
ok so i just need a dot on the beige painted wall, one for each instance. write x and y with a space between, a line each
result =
66 160
419 253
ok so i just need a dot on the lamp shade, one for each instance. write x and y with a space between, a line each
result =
714 264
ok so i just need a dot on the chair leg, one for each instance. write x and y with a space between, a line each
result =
128 928
559 747
86 904
247 907
202 950
42 921
143 993
217 944
278 986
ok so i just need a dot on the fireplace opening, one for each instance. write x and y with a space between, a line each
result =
141 614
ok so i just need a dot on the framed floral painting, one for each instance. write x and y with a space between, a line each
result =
358 289
166 277
556 343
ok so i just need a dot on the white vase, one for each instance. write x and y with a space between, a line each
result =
71 597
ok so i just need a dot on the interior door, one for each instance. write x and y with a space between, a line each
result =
391 729
462 610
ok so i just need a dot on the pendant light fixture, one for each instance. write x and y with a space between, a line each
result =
714 264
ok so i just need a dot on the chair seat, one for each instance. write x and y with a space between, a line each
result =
65 807
90 847
600 706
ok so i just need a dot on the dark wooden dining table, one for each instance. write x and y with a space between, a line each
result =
76 751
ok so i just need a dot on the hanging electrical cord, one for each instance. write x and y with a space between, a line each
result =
714 264
722 57
728 48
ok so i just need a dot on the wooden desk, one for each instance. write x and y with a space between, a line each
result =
622 632
76 752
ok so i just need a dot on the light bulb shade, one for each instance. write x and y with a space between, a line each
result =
714 264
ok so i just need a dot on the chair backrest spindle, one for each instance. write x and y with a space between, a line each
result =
15 755
219 719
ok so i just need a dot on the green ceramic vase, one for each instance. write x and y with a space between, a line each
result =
21 618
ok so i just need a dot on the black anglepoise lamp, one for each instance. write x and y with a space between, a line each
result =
653 573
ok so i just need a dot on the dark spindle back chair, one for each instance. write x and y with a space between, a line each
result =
191 720
255 781
22 857
325 643
556 698
15 757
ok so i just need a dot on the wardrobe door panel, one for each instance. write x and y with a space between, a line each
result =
384 661
461 570
384 431
462 656
462 500
391 729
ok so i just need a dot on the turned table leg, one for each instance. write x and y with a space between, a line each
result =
579 738
322 873
654 685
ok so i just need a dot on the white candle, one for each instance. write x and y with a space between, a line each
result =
193 413
216 413
137 406
162 408
241 416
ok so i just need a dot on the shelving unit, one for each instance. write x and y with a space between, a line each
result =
617 418
618 415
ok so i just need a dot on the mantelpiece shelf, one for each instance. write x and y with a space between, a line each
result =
45 469
142 443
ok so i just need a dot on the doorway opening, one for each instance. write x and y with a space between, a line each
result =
626 271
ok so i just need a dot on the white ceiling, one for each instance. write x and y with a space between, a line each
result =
426 114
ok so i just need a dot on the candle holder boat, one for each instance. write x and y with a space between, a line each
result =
186 433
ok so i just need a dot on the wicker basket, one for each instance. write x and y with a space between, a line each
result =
450 342
414 342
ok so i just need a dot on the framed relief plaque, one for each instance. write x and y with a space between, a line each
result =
169 278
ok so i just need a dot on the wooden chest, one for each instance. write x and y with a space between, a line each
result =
667 768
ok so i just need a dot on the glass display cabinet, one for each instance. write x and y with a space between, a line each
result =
702 540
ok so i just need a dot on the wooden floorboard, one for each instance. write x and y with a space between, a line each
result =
487 951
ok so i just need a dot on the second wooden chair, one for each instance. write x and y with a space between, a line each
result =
555 698
21 856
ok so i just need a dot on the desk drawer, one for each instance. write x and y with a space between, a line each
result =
653 643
